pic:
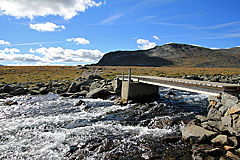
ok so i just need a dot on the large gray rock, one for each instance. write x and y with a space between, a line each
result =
98 93
34 92
196 133
19 91
214 114
95 85
44 90
83 93
92 77
73 88
7 88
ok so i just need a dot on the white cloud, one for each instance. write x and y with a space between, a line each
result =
50 55
67 55
156 37
4 42
34 8
145 44
46 27
79 41
12 55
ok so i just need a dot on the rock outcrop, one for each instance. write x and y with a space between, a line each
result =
220 128
174 55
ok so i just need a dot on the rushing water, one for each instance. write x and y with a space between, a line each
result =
52 127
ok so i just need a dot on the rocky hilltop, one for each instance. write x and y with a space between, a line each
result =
174 55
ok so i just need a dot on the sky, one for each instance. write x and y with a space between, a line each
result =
79 32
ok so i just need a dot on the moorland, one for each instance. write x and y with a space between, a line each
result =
11 74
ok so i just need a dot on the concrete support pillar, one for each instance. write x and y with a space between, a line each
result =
138 91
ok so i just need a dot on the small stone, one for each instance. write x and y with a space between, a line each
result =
233 141
220 140
227 121
78 102
201 118
232 156
228 148
233 109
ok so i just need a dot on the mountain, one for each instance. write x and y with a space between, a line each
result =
174 55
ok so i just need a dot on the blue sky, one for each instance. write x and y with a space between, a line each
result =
71 32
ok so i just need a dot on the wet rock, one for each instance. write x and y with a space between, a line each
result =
10 102
66 94
4 95
44 90
98 93
2 90
7 88
121 102
78 102
19 91
34 92
171 93
195 133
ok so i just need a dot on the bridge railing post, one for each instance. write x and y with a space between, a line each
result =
129 81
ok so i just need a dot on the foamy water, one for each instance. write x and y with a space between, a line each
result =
49 127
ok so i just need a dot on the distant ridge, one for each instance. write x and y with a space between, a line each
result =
174 55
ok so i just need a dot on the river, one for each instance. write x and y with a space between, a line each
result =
52 127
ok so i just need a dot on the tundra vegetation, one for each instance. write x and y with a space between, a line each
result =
11 74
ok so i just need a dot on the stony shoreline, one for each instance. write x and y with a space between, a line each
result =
92 87
216 136
83 86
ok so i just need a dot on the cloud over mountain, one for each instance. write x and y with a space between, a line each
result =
51 55
145 44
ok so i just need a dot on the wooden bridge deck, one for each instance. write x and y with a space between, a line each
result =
204 87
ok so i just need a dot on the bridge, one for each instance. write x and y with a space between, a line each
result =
138 86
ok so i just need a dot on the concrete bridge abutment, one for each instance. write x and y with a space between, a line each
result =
138 91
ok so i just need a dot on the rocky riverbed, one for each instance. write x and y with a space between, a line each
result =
186 131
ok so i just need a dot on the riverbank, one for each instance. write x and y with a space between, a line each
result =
219 129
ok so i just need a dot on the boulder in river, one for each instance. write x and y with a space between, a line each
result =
98 93
194 133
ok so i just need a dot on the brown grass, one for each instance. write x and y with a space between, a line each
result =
10 74
112 71
48 73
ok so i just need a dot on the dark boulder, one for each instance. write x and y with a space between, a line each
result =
98 93
19 91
